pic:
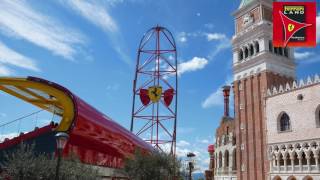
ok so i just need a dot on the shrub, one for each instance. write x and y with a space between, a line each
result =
24 164
153 166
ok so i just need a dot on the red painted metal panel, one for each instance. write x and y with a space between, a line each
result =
94 137
23 137
99 140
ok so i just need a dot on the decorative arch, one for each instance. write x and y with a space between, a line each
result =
318 116
284 122
308 178
312 159
256 47
292 178
304 158
281 160
296 160
277 178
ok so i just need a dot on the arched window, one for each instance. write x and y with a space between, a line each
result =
240 55
256 46
246 52
284 122
318 116
251 50
220 160
226 159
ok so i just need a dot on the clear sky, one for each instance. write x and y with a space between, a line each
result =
90 47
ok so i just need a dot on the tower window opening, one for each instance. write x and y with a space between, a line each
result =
284 122
251 50
246 52
256 46
240 55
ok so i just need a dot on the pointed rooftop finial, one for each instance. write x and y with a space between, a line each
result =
316 78
274 91
301 83
309 80
288 87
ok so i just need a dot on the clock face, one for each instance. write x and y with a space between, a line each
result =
248 19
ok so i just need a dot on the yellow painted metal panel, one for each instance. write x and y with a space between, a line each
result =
62 99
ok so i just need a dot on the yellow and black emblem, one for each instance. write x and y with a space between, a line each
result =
291 27
154 93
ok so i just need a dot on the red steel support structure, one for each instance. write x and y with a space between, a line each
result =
154 109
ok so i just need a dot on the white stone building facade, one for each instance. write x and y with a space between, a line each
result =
225 162
293 130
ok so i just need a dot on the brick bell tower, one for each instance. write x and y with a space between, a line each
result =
257 65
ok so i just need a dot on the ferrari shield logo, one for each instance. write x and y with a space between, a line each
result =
154 93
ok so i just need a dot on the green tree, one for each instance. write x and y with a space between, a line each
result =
24 164
151 166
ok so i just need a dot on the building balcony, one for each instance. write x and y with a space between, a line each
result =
224 172
296 169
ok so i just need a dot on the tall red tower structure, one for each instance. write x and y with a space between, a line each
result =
154 109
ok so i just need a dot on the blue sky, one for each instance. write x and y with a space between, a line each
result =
90 47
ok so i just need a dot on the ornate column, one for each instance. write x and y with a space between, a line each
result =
223 164
271 161
292 156
308 160
230 162
316 158
278 161
300 160
285 161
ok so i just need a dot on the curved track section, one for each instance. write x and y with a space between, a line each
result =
94 137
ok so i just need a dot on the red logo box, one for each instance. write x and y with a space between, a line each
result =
294 24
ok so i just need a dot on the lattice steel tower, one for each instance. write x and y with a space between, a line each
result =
154 109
